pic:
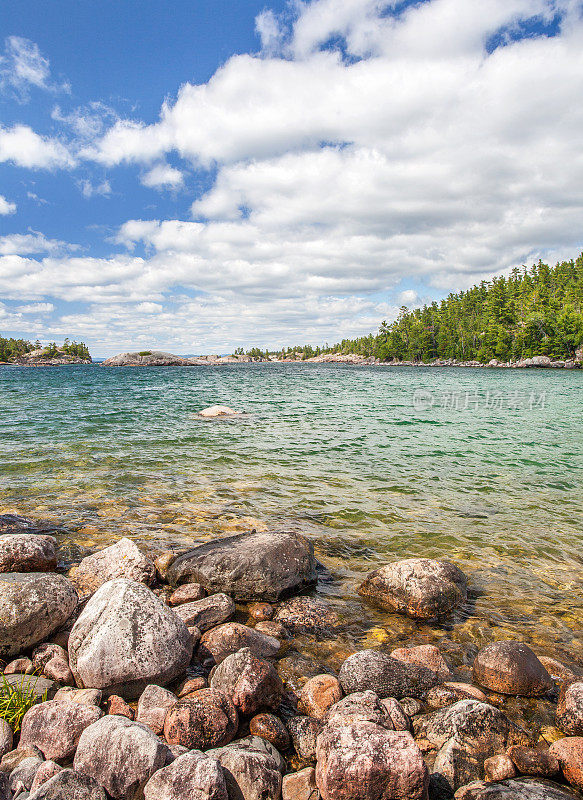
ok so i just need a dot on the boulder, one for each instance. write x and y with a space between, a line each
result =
304 732
187 593
53 661
318 695
55 727
388 677
364 761
88 697
300 785
570 708
399 718
120 560
120 755
499 768
511 668
207 612
249 566
205 719
226 639
569 753
359 707
424 655
192 775
457 765
46 771
27 552
533 761
153 706
272 729
419 587
515 789
302 615
126 638
22 776
249 682
70 785
250 773
6 738
32 606
483 727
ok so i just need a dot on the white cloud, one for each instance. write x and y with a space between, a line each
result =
36 308
163 176
22 244
87 122
21 146
269 31
23 66
6 207
89 189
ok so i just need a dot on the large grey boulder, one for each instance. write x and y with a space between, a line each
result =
120 560
120 755
249 566
387 676
70 785
207 612
27 552
55 727
126 638
32 606
516 789
250 774
192 776
419 587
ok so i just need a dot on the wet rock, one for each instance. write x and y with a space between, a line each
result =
120 560
424 655
226 639
363 761
208 612
205 719
272 628
187 593
55 728
190 685
359 707
511 668
272 729
192 775
419 587
304 731
300 785
318 695
533 761
569 753
70 785
14 524
297 668
515 789
46 771
53 661
249 682
19 666
499 768
22 776
306 615
556 670
388 677
570 708
218 411
153 706
27 552
126 638
32 606
261 611
117 705
88 697
120 755
249 566
250 774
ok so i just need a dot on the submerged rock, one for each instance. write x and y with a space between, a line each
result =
249 566
126 638
32 606
192 775
388 677
13 523
419 587
27 552
511 668
533 761
120 560
218 411
306 615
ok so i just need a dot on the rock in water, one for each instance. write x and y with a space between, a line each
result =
27 552
70 785
307 615
419 587
120 755
511 668
32 606
55 727
126 638
192 775
388 677
249 566
12 523
208 612
515 789
224 640
120 560
218 411
363 761
569 754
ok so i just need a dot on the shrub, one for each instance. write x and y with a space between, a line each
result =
17 698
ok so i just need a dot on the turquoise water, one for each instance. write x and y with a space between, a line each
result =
339 453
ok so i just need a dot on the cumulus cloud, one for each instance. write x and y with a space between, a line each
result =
21 146
163 176
6 207
21 244
23 66
36 308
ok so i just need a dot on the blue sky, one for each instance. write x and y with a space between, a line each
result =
227 174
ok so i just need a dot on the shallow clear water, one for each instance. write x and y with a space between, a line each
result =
339 453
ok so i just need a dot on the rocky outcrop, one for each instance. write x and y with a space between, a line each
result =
148 358
249 566
126 638
516 789
388 677
27 552
249 682
203 719
511 668
192 775
120 560
419 587
55 728
32 606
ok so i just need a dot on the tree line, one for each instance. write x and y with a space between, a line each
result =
13 349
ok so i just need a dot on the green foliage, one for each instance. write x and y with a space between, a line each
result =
17 698
145 353
13 349
536 311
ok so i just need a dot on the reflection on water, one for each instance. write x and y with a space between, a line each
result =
338 453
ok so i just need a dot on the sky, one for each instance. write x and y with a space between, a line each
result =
204 175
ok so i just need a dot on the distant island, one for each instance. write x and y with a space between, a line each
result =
25 353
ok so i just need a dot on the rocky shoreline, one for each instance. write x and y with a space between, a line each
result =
183 676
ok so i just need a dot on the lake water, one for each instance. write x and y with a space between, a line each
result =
372 463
